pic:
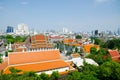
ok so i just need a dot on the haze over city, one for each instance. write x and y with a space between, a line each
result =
76 15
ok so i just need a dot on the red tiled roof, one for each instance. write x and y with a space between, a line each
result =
37 67
28 57
115 55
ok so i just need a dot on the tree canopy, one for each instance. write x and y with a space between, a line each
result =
1 58
78 37
11 39
112 44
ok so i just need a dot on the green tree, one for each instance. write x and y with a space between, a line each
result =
76 49
93 50
78 37
73 76
14 71
112 44
55 75
10 39
30 75
99 56
18 39
44 76
97 41
1 60
110 71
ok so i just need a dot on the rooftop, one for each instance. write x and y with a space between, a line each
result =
36 56
39 66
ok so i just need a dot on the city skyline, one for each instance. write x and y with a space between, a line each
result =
76 15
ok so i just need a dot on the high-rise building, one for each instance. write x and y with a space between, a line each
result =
96 32
118 31
9 29
22 29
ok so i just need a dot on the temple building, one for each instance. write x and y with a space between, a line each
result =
45 61
40 41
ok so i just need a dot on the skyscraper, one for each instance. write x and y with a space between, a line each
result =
10 29
118 31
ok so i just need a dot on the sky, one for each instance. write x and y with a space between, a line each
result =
76 15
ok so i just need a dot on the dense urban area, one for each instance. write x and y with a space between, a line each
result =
59 55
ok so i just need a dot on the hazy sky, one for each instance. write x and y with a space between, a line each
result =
76 15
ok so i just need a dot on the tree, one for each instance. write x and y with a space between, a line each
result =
44 76
99 56
93 50
55 75
76 49
14 71
10 39
97 41
87 77
30 75
112 44
18 39
110 71
78 37
1 60
73 76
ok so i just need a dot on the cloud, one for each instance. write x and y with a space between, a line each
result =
24 3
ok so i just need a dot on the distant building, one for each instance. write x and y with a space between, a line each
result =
65 30
10 29
96 32
118 31
22 29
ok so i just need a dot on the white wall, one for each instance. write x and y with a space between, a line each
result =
50 71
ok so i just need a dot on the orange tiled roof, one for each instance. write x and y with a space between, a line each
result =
37 67
87 47
115 55
75 55
4 64
28 57
39 37
40 41
75 44
67 41
70 63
